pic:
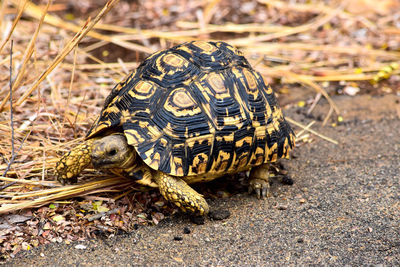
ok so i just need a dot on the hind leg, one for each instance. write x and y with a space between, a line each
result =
259 180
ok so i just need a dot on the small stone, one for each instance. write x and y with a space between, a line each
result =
159 203
287 180
80 246
178 238
300 240
186 230
220 214
198 219
302 201
282 207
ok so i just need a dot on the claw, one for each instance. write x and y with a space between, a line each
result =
258 192
264 193
250 189
260 187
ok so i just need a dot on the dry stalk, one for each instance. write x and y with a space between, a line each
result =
353 50
65 193
34 11
69 46
15 22
323 19
306 128
27 56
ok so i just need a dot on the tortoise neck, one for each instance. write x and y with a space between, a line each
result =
130 162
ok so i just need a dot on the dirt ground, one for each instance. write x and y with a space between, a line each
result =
343 208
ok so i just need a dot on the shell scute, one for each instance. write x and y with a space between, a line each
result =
198 108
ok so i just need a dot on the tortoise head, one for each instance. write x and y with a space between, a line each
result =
112 152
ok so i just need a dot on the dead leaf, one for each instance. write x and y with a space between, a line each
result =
58 218
102 209
10 220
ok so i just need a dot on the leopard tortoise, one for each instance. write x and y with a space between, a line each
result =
191 113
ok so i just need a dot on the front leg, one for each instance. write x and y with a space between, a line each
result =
74 162
177 191
259 180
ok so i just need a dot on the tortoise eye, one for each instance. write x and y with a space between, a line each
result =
112 152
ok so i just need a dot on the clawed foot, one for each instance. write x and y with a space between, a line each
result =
260 187
177 191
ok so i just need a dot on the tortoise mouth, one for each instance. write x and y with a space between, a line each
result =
112 151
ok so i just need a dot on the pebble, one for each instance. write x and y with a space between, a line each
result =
186 230
80 246
178 238
220 214
282 207
198 220
287 180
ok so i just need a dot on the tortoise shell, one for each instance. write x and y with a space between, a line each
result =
197 108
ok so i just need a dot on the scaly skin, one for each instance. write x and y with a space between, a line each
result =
259 181
74 162
181 194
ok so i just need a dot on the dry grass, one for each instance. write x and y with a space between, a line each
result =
60 80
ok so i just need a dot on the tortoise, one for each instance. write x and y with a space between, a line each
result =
191 113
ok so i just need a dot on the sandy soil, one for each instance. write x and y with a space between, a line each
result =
342 209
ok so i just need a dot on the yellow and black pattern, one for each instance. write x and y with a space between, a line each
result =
198 108
75 161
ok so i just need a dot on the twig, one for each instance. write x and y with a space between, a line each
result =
305 129
73 125
101 214
312 131
11 122
11 161
314 104
328 116
318 22
11 106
